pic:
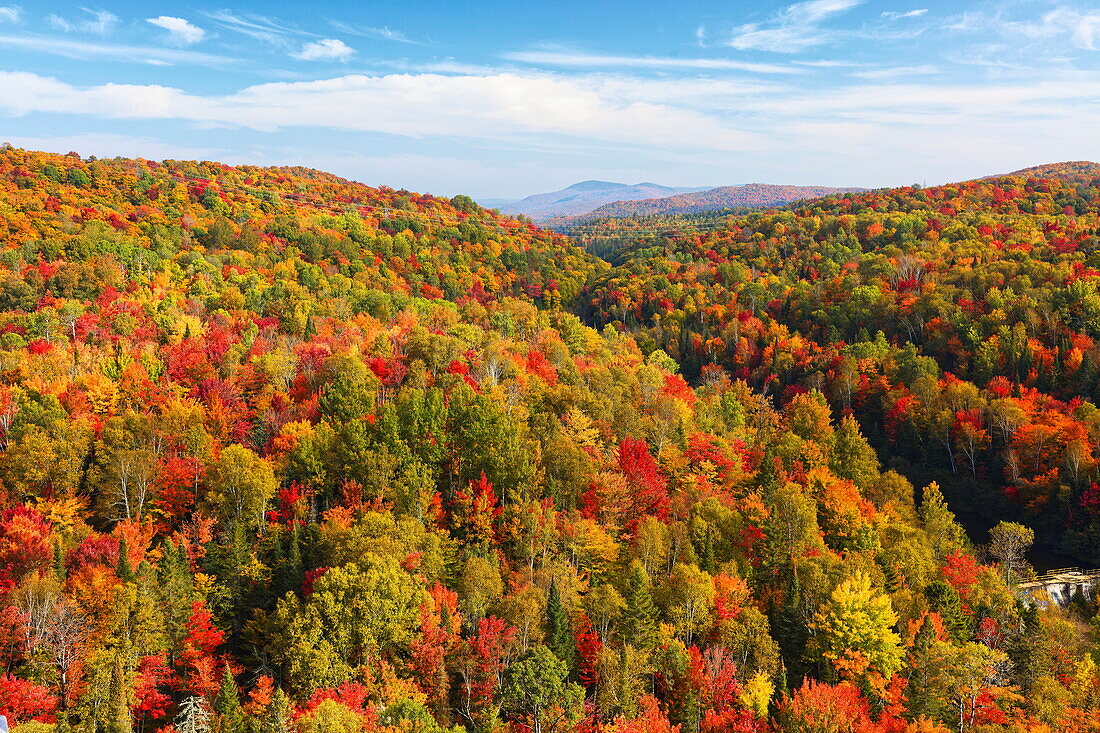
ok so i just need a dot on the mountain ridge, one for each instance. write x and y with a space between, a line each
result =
584 196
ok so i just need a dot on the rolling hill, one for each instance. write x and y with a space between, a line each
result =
750 195
1067 169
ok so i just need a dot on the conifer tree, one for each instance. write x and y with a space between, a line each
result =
559 633
227 706
640 616
125 572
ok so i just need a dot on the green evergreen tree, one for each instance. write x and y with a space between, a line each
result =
118 720
229 717
276 718
125 572
944 599
559 631
640 616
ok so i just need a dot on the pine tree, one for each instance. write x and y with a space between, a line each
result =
125 572
559 632
119 720
277 717
640 616
944 599
227 706
925 693
791 632
59 562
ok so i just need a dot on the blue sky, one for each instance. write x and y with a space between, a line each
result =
502 99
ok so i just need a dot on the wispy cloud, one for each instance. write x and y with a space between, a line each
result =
180 31
895 72
1082 28
565 58
900 15
384 33
1063 28
794 28
825 63
98 22
260 27
327 49
116 52
10 13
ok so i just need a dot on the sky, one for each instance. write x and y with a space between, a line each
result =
504 99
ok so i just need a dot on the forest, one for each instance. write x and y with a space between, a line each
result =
284 453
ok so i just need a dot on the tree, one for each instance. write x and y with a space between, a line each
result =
229 717
193 716
820 708
357 612
690 595
639 620
23 700
1008 543
855 633
559 631
240 485
537 693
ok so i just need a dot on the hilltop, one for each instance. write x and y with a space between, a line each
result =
750 195
1067 169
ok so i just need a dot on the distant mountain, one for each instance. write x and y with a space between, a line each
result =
580 198
1067 169
714 199
494 203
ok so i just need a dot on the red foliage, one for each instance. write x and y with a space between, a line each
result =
961 571
588 652
440 624
824 708
199 661
94 550
24 544
153 678
23 700
645 482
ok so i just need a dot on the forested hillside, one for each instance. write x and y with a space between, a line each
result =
958 323
281 452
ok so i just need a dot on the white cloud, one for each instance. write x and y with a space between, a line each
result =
566 58
793 29
327 49
899 15
180 31
10 13
498 108
100 22
863 131
117 52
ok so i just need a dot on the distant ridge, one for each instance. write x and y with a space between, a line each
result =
580 198
1066 169
714 199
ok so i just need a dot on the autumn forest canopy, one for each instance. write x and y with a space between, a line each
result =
284 453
